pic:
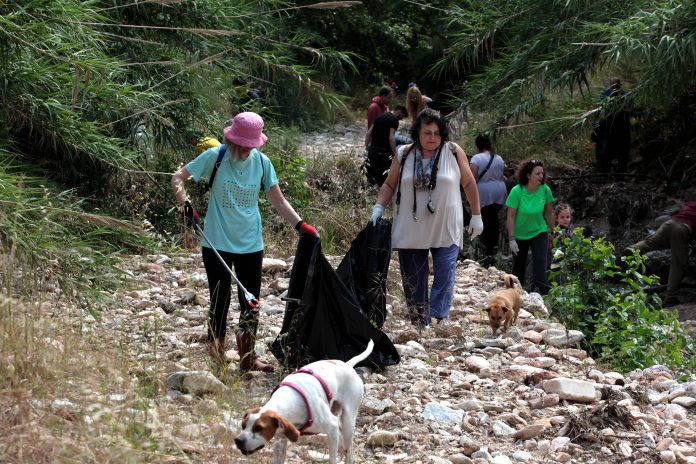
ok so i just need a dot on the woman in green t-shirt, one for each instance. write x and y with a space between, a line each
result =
529 220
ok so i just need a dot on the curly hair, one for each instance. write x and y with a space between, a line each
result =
526 169
428 116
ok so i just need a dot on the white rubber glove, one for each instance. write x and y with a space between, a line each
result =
377 211
475 226
514 247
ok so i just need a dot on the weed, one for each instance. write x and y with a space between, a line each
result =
624 326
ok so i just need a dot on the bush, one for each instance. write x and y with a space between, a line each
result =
624 326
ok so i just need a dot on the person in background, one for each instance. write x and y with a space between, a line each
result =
140 139
564 217
488 169
415 102
379 105
612 131
676 233
424 181
529 222
381 144
233 225
391 83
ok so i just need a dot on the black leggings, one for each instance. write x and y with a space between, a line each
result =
247 267
539 245
491 228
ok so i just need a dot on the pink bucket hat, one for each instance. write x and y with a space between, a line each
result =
246 130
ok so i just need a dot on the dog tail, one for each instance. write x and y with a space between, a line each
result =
355 360
509 280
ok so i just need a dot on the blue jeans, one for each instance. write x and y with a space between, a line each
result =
402 140
539 245
414 276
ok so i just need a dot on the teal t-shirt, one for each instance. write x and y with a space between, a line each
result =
233 220
529 221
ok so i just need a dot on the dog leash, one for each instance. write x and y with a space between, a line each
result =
294 386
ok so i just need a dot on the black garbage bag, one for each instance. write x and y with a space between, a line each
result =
323 318
364 270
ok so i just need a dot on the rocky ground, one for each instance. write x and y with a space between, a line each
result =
459 394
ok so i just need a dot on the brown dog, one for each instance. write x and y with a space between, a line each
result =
504 305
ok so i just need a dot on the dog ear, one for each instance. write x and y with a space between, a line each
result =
285 425
505 309
488 310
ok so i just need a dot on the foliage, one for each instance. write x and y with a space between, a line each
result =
623 325
391 39
99 97
525 50
70 251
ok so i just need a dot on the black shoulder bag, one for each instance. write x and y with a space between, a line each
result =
487 168
221 154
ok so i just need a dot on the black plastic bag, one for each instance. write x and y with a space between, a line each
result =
323 318
364 270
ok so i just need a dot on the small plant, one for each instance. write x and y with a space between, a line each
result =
623 325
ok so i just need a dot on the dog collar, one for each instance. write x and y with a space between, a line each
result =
329 396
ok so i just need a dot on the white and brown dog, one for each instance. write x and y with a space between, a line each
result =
322 397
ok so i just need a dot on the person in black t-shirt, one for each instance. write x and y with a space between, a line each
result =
380 143
612 130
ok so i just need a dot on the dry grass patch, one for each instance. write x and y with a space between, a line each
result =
71 393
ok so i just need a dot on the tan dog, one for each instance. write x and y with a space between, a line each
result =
504 306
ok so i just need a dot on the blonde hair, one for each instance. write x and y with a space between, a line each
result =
414 107
233 150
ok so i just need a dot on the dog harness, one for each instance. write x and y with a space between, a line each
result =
329 396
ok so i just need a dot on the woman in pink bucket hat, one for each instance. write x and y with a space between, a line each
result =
233 226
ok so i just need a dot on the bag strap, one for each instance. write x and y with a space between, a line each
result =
406 151
221 154
263 171
487 167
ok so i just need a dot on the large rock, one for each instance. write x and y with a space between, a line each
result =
442 414
571 389
382 438
531 431
558 337
195 382
274 265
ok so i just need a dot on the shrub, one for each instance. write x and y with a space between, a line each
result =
623 325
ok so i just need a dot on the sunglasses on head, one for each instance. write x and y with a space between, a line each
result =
534 163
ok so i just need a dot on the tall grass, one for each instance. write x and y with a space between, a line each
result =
75 390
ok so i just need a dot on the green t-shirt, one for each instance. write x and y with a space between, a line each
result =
529 221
